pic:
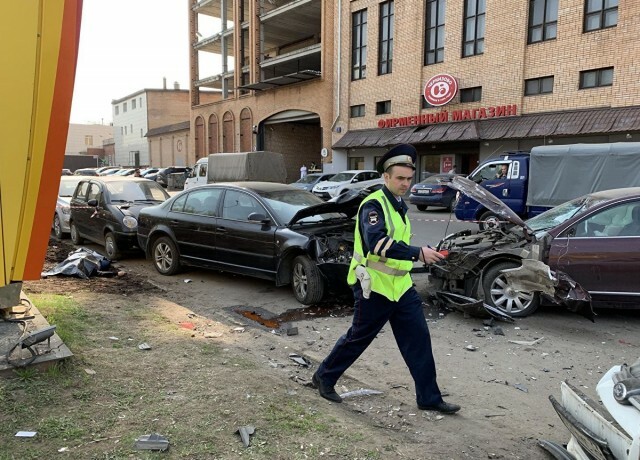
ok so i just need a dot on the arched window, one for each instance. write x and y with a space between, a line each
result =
246 136
213 134
199 138
228 132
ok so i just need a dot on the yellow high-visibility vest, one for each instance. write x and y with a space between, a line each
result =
389 277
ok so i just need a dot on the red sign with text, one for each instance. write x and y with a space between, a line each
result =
440 89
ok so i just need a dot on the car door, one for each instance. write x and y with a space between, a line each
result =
193 220
488 177
602 250
244 245
80 211
99 213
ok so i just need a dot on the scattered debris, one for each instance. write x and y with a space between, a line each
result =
292 331
470 348
245 434
520 387
63 449
152 441
26 434
212 335
360 392
498 331
114 338
144 346
90 371
494 415
187 325
527 343
239 330
82 263
299 359
187 280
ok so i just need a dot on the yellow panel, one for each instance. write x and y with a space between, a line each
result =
31 33
51 28
19 35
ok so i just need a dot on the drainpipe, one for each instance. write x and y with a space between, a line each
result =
339 73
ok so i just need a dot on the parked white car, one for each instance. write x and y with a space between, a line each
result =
60 223
198 175
346 180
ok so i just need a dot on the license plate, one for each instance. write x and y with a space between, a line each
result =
424 191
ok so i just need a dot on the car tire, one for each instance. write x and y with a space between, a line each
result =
499 294
490 220
306 281
75 235
422 207
57 227
111 246
165 256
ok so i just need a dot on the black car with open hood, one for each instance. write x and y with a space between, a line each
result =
261 229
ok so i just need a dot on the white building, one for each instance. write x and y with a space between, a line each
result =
83 138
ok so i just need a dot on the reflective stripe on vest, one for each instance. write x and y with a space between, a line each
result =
380 266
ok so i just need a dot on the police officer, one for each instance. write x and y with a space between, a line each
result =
383 289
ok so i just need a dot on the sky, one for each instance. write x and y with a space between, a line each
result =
126 46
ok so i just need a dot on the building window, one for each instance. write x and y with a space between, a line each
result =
88 140
473 35
471 94
385 47
543 20
141 101
117 110
131 129
356 163
359 45
596 78
133 104
383 107
356 111
424 104
600 14
141 135
124 107
125 130
434 40
542 85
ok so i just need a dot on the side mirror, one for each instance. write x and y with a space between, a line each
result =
93 202
354 180
259 217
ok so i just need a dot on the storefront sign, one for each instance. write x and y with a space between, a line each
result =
446 116
440 89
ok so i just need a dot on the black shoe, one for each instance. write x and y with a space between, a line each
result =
443 407
325 391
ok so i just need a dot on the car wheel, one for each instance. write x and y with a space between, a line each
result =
57 227
111 247
422 207
75 235
165 256
499 293
489 220
307 283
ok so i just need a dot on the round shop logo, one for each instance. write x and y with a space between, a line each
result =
440 89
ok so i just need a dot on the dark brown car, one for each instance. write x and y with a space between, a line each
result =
594 239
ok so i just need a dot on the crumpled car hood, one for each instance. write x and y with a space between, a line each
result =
486 198
346 204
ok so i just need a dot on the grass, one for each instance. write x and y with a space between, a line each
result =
70 319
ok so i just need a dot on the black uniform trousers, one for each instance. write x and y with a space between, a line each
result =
410 330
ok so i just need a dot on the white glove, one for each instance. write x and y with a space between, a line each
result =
365 280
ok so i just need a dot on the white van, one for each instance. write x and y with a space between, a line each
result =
198 175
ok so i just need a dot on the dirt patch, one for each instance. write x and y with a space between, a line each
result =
211 370
119 280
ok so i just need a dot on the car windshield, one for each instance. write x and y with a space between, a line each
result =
342 177
67 187
132 190
308 179
286 203
561 213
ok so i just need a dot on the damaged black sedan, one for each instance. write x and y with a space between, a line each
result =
261 229
583 252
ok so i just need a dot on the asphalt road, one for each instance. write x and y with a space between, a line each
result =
431 226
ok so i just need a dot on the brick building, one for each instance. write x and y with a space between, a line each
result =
134 115
275 76
527 74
